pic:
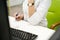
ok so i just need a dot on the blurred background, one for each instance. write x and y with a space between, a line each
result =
14 6
53 15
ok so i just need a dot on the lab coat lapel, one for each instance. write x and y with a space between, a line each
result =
37 3
25 9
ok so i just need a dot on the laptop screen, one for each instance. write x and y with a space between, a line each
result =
4 23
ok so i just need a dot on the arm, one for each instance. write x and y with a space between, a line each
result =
40 12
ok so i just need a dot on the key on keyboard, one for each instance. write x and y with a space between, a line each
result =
21 35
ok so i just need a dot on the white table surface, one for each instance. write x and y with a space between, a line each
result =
42 32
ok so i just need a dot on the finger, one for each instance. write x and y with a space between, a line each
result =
18 19
18 16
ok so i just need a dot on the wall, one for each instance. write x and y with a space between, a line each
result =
15 2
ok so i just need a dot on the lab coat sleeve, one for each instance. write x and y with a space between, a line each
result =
41 11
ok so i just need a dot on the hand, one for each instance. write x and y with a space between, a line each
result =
19 16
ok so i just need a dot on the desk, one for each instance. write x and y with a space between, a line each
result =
42 32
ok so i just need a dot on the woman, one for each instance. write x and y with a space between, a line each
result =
38 17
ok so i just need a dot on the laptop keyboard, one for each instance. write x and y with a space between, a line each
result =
21 35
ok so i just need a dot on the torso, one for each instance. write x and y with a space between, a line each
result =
26 15
25 8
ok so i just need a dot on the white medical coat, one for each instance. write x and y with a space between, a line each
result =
39 17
